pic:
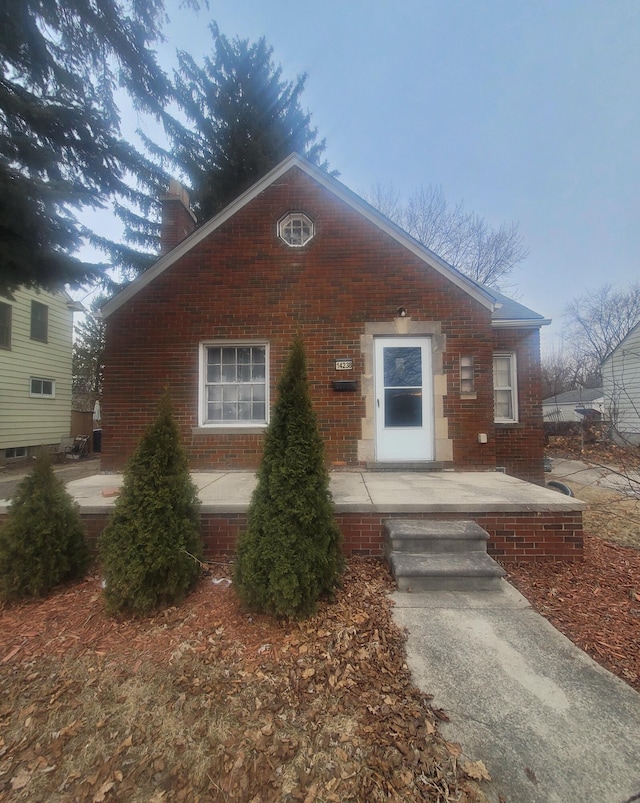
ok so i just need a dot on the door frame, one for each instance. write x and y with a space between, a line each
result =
411 443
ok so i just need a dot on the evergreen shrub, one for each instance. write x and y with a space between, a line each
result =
290 554
151 548
42 543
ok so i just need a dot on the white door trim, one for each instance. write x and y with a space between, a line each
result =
404 413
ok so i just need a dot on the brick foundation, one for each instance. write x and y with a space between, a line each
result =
513 537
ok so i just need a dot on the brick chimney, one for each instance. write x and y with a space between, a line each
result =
178 221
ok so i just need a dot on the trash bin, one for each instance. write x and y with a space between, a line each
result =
97 440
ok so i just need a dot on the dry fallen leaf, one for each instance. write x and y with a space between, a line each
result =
20 780
476 770
101 794
454 748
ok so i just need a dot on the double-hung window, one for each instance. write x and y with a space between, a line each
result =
5 325
39 321
235 384
505 388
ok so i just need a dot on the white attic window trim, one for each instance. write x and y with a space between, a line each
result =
296 229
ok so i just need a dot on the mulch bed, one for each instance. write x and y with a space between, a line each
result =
319 710
595 603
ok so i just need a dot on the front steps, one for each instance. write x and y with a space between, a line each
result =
431 555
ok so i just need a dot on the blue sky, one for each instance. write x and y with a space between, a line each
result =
527 111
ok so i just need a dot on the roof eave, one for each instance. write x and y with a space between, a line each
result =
515 323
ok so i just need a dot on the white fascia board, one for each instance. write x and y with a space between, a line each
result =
334 187
527 323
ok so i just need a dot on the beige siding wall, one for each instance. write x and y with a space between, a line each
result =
621 382
26 420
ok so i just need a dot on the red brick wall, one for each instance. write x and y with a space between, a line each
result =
520 447
177 222
242 282
513 537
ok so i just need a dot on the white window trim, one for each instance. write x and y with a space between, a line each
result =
288 218
15 455
33 395
513 388
229 426
45 307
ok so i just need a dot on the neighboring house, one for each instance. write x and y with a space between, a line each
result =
36 333
621 381
574 405
410 363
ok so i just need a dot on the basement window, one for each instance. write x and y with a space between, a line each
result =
15 452
296 229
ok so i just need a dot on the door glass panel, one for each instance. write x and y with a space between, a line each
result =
402 367
402 408
403 386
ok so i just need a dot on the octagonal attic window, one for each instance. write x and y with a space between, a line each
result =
296 229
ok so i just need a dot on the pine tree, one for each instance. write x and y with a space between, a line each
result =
88 357
290 554
243 119
151 548
61 63
42 543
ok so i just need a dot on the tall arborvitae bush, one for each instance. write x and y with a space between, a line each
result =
42 543
151 548
290 554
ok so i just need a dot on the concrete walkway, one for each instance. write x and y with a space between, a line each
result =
581 475
551 725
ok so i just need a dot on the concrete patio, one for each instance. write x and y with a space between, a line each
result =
524 521
360 492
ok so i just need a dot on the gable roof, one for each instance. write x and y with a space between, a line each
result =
575 396
484 295
509 313
635 330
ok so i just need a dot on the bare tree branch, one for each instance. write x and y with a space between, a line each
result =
463 239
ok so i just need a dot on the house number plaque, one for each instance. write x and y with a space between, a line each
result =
344 365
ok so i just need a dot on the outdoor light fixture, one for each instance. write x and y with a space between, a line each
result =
402 312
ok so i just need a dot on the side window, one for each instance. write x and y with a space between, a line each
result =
39 321
505 395
45 388
467 380
5 326
234 384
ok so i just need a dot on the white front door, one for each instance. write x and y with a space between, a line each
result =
404 399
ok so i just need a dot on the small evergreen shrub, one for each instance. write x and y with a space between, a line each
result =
42 543
151 548
290 554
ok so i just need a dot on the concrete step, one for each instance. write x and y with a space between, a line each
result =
435 537
452 571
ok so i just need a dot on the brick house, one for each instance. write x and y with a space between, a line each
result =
410 363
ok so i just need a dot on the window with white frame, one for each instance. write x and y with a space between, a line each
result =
235 384
505 394
296 229
5 326
39 321
43 387
15 452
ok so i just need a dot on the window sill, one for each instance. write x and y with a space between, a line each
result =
509 425
473 395
256 429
